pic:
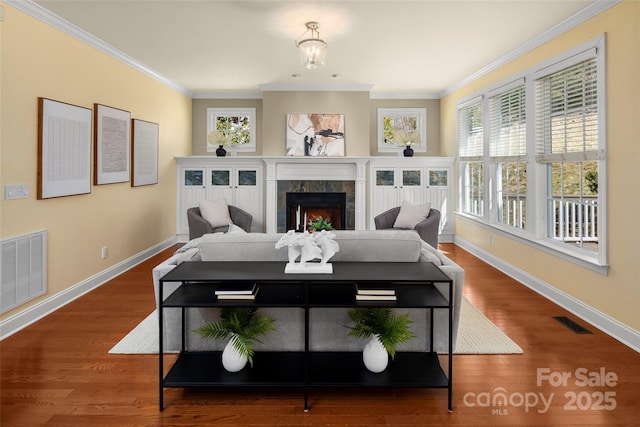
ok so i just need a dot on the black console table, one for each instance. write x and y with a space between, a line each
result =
306 369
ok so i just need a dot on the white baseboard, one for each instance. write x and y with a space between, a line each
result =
621 332
36 312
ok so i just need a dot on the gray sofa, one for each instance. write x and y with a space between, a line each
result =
328 326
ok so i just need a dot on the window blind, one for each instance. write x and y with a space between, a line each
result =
567 114
470 132
507 123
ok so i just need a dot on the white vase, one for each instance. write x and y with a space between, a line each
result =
232 360
374 355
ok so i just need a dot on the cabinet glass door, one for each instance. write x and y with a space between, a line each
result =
411 178
385 177
438 178
194 178
247 177
220 177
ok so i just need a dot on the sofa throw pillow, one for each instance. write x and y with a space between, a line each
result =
410 215
235 229
215 211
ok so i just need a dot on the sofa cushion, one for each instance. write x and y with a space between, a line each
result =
355 245
216 212
410 215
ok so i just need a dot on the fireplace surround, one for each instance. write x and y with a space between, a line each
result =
288 174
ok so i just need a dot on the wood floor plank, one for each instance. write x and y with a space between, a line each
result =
57 372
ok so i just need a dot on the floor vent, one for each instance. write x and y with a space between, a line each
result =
24 269
578 329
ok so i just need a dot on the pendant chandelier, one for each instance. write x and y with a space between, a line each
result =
313 50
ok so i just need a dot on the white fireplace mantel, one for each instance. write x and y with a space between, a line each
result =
315 169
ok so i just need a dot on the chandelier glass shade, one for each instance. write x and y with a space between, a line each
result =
313 50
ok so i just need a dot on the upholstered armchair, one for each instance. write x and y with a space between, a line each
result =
199 226
427 229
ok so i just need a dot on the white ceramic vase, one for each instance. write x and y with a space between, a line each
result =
232 360
374 355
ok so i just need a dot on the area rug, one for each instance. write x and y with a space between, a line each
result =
476 335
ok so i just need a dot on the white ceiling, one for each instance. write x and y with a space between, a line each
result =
398 47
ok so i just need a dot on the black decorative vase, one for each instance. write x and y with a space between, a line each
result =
408 152
221 152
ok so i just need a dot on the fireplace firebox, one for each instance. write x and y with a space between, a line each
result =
305 208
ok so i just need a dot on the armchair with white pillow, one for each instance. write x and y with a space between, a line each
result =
422 218
216 216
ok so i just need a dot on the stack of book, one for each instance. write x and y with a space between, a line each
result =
374 292
237 291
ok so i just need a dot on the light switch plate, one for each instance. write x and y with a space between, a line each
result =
16 191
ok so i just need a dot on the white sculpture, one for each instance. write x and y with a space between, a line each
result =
309 247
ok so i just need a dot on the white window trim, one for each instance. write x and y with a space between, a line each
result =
213 113
419 113
535 233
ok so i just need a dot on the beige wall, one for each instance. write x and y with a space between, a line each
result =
40 61
617 294
360 119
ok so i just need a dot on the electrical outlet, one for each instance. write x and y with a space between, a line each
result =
491 239
105 252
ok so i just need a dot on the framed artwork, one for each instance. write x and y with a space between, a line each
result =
144 152
315 135
64 149
112 145
399 128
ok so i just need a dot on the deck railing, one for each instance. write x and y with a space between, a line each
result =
575 220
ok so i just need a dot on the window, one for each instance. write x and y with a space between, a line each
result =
531 155
399 127
567 144
236 127
471 152
507 150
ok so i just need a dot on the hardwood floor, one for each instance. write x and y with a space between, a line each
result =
57 372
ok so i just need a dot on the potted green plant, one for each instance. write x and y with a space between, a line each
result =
384 329
243 325
321 224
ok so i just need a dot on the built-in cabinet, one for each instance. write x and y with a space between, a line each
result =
238 181
417 180
385 182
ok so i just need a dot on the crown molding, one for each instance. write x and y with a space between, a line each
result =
44 15
227 95
594 9
316 88
400 95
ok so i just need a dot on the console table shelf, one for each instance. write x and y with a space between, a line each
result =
414 286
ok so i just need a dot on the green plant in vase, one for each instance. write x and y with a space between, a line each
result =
321 224
243 325
384 329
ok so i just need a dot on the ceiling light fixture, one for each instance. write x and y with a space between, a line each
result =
313 50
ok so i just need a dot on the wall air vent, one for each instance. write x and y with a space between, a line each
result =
24 269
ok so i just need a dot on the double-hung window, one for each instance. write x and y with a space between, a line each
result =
531 154
568 147
471 154
507 151
232 127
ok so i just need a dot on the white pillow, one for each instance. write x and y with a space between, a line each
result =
235 229
411 215
216 212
